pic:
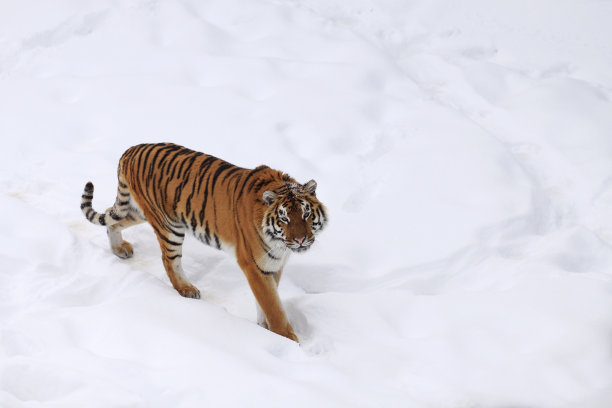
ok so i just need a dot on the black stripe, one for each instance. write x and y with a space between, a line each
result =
261 270
272 236
178 234
101 219
153 162
114 215
232 171
260 185
139 160
203 170
188 205
85 205
183 162
204 167
202 212
173 257
177 194
207 234
204 200
215 215
217 243
163 163
247 178
146 161
185 176
87 197
175 160
170 242
261 241
147 164
237 183
253 183
222 167
322 213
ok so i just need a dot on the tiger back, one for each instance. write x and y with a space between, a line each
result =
259 215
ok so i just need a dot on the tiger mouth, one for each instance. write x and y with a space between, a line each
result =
300 247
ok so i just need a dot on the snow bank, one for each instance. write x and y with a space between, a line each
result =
463 152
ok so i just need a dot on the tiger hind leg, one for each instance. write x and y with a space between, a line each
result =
123 249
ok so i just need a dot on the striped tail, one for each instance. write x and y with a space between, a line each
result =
114 214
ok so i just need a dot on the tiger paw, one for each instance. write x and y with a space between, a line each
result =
124 251
189 292
288 333
291 336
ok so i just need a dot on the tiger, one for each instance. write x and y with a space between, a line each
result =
258 215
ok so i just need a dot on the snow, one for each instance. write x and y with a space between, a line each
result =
463 151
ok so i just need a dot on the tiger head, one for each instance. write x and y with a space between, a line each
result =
294 215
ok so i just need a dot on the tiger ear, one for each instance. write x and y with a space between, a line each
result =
310 187
268 197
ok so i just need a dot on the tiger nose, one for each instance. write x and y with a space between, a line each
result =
299 240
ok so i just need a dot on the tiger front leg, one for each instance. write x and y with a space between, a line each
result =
261 317
264 288
171 244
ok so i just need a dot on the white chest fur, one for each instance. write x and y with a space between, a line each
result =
275 259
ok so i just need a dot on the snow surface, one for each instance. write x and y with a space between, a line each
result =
463 150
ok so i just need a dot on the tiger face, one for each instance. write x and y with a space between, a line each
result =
294 216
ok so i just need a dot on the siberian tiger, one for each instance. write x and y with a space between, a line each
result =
259 215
